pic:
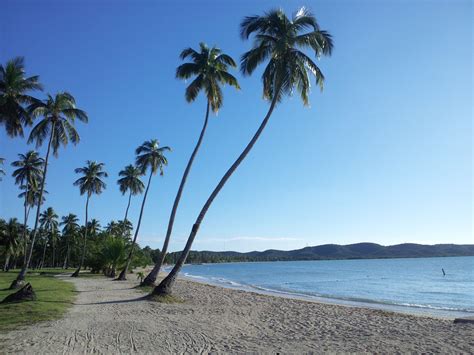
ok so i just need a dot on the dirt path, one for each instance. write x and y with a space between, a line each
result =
108 317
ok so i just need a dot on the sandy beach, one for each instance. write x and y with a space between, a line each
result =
108 317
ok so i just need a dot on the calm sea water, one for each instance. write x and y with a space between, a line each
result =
413 285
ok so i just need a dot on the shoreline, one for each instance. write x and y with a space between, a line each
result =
406 310
112 317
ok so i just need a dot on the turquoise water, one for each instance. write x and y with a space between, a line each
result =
413 285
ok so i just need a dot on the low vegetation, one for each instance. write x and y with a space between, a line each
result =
54 297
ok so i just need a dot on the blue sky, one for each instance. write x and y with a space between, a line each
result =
384 154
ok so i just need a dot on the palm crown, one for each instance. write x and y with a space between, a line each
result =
33 192
70 224
210 67
130 180
59 114
14 86
91 181
30 168
48 220
150 155
279 39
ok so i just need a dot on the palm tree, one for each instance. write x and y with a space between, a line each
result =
113 253
149 155
90 183
278 40
93 227
14 86
28 173
59 114
209 66
130 181
49 223
70 224
10 236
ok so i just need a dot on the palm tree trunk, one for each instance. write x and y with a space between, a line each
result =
44 255
7 261
21 276
151 277
123 273
54 248
128 206
76 273
66 258
165 287
25 226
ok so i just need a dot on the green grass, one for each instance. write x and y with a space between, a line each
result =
54 297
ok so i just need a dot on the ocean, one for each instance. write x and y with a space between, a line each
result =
407 285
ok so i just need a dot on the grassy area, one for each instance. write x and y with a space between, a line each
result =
54 298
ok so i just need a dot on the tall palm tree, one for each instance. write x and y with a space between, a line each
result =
10 237
149 156
210 68
28 174
14 86
90 183
59 114
49 223
281 41
130 181
70 224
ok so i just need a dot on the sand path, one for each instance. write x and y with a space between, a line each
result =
108 318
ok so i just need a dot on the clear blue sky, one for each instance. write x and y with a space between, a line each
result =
384 154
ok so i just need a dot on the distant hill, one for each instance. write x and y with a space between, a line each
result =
332 252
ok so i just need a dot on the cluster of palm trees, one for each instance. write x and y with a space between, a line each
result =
279 41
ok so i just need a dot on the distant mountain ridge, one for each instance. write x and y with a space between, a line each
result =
334 251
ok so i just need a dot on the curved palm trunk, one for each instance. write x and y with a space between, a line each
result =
76 273
128 206
123 273
21 276
165 287
151 277
7 261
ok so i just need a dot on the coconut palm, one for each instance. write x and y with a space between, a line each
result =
93 227
10 233
130 181
280 41
113 254
49 223
150 156
90 183
70 224
57 126
14 86
28 174
210 69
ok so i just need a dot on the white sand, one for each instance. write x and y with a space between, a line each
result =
107 318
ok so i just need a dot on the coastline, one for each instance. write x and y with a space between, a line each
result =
110 317
408 310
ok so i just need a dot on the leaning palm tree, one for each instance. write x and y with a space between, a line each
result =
70 224
281 41
90 183
130 181
57 126
14 86
149 156
210 68
49 223
28 174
